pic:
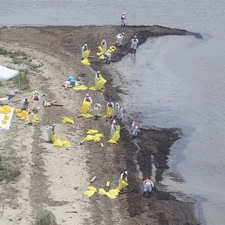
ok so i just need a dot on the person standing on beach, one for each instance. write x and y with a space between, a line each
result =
123 20
104 44
148 187
83 49
97 110
134 44
119 39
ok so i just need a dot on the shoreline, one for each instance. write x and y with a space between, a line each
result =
64 44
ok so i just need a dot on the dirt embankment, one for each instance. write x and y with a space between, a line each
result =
59 48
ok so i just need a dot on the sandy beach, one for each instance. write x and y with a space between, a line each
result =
55 178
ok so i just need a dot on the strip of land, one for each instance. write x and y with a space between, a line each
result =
55 178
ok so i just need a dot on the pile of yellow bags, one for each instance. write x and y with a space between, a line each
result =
93 135
100 84
23 115
90 191
59 143
112 194
67 120
5 109
85 60
102 50
116 136
80 88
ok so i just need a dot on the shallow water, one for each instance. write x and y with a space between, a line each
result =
175 81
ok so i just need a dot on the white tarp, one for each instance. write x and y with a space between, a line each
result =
6 74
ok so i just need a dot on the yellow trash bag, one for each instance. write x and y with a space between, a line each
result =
80 88
116 136
87 53
102 145
95 138
100 84
102 57
59 143
87 115
86 106
18 110
67 120
113 193
122 185
111 49
90 191
5 109
85 62
92 132
101 49
101 191
98 137
109 112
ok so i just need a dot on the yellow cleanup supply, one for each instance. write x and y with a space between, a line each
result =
87 115
85 60
80 88
5 109
59 143
109 112
92 132
67 120
90 191
100 84
95 138
113 193
23 115
116 136
86 106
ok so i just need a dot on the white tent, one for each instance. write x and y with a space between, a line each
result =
6 74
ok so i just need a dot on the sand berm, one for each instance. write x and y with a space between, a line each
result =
55 178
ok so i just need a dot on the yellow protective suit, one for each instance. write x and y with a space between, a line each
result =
90 191
80 88
67 120
59 143
100 84
86 106
116 136
109 112
85 60
100 52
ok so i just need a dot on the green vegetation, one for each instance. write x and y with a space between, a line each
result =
6 173
21 81
45 217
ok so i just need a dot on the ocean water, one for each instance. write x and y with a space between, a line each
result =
172 82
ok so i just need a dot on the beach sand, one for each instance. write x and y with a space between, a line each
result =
55 178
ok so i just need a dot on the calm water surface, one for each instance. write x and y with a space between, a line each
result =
174 82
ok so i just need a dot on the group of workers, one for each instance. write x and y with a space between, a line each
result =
148 185
115 112
26 105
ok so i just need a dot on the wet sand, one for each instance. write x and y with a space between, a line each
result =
56 178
